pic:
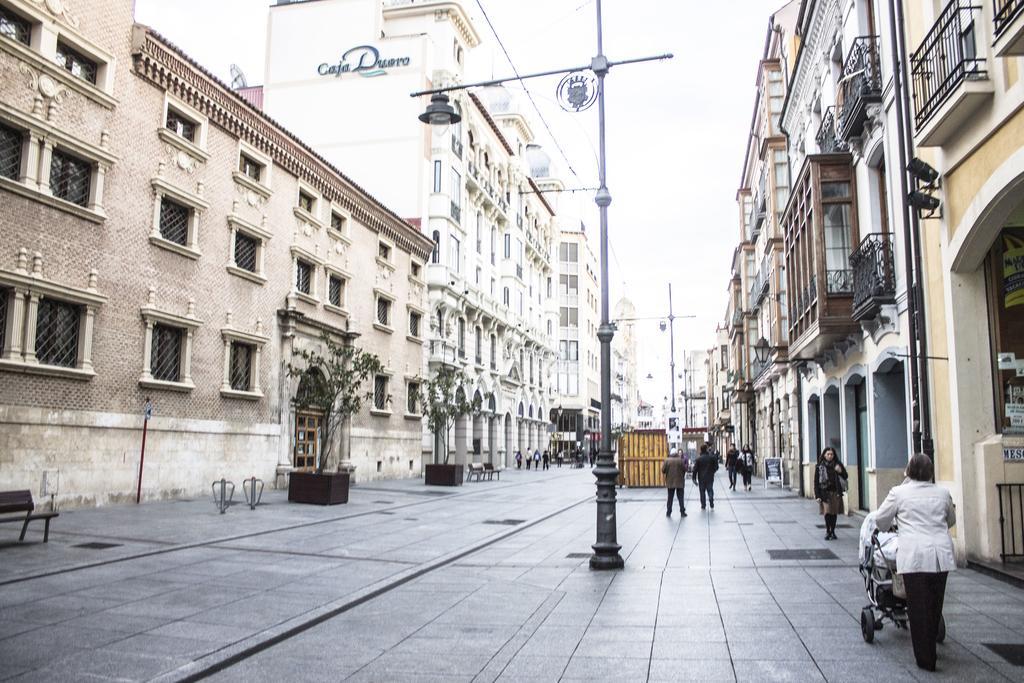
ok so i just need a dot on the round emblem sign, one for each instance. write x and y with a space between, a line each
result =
577 91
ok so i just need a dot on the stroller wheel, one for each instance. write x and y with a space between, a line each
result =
878 624
940 635
867 624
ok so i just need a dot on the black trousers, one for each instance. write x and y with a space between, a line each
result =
707 488
679 494
926 592
830 523
732 477
746 476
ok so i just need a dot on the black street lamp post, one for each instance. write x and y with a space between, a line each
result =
440 113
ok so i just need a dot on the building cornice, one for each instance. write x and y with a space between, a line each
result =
452 10
490 121
536 189
163 64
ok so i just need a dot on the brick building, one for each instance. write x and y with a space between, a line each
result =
160 238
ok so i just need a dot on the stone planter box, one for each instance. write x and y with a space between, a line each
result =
330 488
442 475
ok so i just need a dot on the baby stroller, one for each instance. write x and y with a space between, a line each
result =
878 567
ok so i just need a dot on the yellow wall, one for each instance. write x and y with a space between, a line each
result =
962 184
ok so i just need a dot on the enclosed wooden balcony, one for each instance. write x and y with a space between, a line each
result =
820 226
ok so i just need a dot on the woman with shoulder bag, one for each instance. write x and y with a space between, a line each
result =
829 484
924 512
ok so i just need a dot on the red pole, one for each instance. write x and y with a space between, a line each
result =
142 455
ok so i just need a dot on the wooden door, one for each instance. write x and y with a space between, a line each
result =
307 440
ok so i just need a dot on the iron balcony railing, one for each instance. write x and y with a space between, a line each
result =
828 141
948 55
874 277
860 85
1011 520
1005 12
839 281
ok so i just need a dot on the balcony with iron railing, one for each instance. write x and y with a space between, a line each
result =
859 86
874 276
828 141
1008 27
948 73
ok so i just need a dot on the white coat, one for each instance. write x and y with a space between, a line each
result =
924 513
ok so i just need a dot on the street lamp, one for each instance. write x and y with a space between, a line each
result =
439 113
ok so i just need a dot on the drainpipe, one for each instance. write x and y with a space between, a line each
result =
909 222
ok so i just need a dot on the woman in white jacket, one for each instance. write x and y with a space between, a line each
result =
924 513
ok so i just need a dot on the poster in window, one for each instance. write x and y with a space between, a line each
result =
1013 270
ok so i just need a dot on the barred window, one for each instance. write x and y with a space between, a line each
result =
14 27
384 251
11 142
380 392
241 366
306 201
181 125
250 167
414 324
336 291
165 361
383 311
57 327
246 251
70 178
304 277
75 63
414 269
412 404
174 221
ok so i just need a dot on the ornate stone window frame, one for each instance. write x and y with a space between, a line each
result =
197 149
388 396
346 277
317 263
231 334
151 315
379 294
345 234
409 310
52 22
237 224
196 204
41 138
25 289
409 381
312 218
263 188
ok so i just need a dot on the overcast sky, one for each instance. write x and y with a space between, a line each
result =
676 130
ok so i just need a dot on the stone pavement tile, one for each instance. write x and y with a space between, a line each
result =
463 645
689 650
121 623
440 664
161 646
709 632
763 671
743 620
607 669
866 669
125 666
282 666
30 651
13 628
56 609
673 670
130 589
770 645
630 649
213 633
259 611
605 634
535 668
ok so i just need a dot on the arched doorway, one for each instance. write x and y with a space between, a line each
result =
478 429
462 433
892 442
858 436
509 446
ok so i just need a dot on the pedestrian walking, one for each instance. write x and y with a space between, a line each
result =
674 470
546 459
924 513
748 464
732 457
536 459
829 485
519 460
593 455
704 476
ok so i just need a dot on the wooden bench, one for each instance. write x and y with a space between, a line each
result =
491 472
21 501
474 469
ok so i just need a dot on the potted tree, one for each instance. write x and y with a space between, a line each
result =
331 385
444 400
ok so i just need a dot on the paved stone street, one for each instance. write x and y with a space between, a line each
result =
487 582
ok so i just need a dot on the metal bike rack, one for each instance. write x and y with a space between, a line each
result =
223 494
253 495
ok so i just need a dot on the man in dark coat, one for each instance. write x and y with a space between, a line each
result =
732 457
675 480
704 474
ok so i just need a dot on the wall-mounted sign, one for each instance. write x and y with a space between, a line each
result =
364 60
577 91
1015 454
